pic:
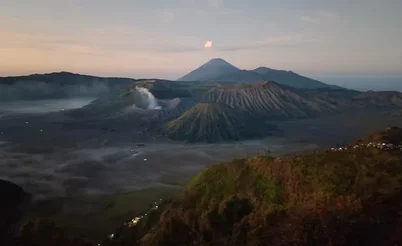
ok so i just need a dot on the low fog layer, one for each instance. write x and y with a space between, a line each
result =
41 106
62 154
34 90
113 169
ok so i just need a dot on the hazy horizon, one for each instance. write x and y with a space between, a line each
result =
325 40
354 82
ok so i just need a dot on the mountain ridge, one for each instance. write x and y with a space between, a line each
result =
268 99
57 85
209 72
61 76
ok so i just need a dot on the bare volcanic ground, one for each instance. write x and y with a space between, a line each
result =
213 122
268 99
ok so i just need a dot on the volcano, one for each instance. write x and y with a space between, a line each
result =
210 70
214 122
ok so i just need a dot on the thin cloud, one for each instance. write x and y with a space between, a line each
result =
310 19
318 17
270 41
177 49
102 42
327 14
167 16
15 40
213 4
108 41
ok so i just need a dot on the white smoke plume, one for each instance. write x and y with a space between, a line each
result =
208 44
151 101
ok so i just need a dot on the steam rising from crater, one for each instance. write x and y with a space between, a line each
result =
150 101
208 44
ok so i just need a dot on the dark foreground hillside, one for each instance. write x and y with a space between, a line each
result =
58 85
349 195
13 199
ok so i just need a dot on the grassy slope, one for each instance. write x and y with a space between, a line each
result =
96 216
246 193
352 197
308 180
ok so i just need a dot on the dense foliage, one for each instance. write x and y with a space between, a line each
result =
350 197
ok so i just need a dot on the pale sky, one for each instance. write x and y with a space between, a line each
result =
166 38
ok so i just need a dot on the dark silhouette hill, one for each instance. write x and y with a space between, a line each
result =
13 198
57 85
381 98
347 197
391 135
65 78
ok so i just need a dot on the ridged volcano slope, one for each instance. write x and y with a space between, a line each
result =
212 122
269 99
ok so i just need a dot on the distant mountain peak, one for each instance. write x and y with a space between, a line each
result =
212 69
218 61
219 70
263 68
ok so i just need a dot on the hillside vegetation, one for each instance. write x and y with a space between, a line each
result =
350 197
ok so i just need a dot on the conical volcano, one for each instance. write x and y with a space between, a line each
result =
212 69
213 122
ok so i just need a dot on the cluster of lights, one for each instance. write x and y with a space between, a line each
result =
133 222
